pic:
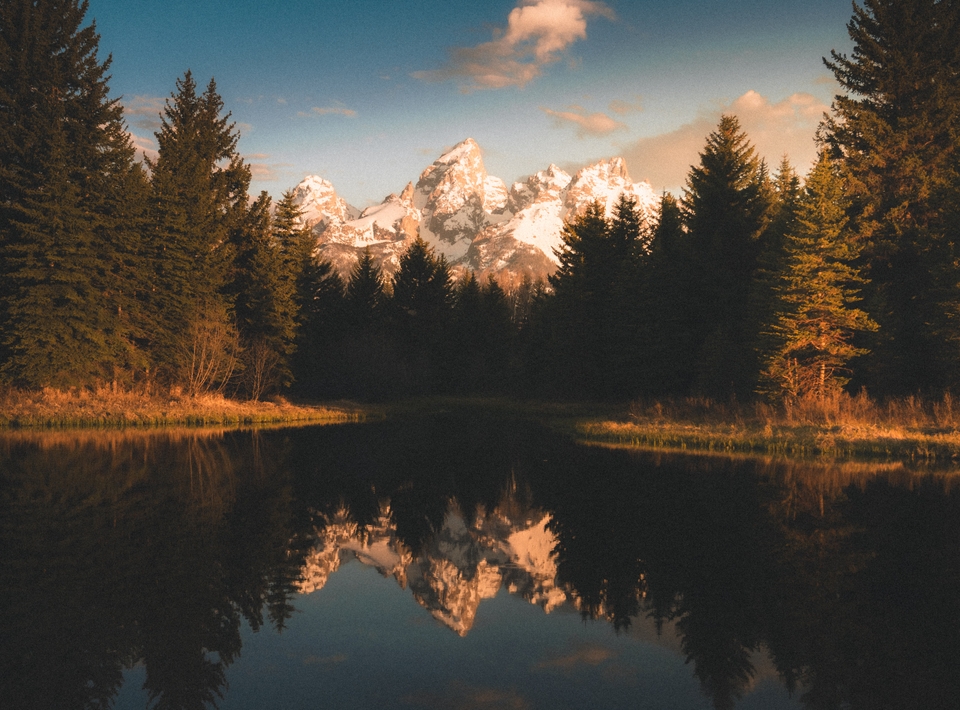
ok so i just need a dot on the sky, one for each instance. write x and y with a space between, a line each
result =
367 94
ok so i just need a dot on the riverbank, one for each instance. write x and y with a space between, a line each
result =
50 408
846 427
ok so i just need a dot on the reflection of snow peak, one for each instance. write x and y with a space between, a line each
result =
468 216
457 568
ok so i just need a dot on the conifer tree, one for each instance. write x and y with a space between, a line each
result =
810 342
319 365
421 305
896 133
264 289
666 308
724 209
199 198
65 159
572 315
421 287
364 294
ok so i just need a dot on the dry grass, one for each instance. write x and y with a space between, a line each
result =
841 426
106 407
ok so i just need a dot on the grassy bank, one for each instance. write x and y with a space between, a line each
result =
105 407
841 427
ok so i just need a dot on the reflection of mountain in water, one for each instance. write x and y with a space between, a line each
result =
461 565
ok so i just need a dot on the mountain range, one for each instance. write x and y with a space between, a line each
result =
471 218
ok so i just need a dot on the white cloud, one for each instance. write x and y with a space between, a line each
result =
538 32
775 129
587 124
337 110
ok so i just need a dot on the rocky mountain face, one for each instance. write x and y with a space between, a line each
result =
470 217
462 565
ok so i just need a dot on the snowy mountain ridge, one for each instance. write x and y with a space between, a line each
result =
468 216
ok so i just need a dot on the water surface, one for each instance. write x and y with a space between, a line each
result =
465 560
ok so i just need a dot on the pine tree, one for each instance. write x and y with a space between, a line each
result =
809 343
667 311
320 368
724 209
571 315
365 292
200 198
896 133
264 290
65 161
421 307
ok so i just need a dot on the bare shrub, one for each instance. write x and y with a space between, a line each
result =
261 373
210 351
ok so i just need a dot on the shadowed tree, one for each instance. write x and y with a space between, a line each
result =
69 235
724 208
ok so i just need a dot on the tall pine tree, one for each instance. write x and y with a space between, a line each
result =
896 134
725 210
66 164
199 200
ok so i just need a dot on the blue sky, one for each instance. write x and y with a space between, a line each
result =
367 94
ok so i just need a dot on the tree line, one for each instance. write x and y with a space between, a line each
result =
751 282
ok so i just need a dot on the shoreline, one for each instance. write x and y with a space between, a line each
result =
722 432
801 442
101 409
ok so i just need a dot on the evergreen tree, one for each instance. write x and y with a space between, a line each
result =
320 368
66 299
724 209
421 304
896 133
422 288
666 308
199 199
365 292
264 289
810 341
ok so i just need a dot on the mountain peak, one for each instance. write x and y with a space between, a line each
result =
465 150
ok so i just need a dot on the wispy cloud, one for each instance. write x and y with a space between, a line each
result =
335 110
622 108
537 34
786 127
261 169
587 124
144 112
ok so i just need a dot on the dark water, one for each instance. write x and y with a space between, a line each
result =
465 561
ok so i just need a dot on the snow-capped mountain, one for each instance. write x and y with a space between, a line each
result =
469 216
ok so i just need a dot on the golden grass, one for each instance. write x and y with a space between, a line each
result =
840 426
106 407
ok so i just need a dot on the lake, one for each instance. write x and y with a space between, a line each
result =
466 560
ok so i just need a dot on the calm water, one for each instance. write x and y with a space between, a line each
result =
465 561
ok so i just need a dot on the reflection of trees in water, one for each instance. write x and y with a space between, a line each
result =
136 548
156 548
846 575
